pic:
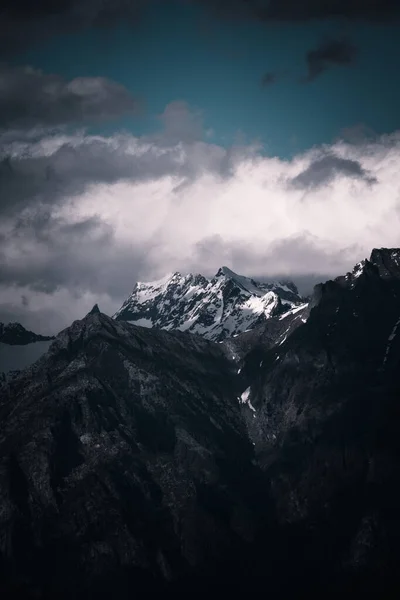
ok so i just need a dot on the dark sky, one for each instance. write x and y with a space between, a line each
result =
142 137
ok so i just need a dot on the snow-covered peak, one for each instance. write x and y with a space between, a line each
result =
216 308
247 284
355 274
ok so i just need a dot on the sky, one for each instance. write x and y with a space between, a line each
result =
140 137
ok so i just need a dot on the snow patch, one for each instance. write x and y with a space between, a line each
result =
142 322
245 399
391 337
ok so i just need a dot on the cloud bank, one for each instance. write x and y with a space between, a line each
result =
24 21
295 11
30 98
83 217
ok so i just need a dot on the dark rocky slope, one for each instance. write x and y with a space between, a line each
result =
327 406
123 458
129 466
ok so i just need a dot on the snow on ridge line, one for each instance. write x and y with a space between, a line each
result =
212 308
246 283
142 323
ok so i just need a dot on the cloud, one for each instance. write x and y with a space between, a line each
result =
181 123
358 133
269 79
325 169
295 11
58 166
83 217
30 98
339 52
81 254
23 22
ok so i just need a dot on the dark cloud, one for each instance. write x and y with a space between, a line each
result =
310 254
44 321
33 176
357 134
180 123
42 252
296 11
324 169
340 52
301 258
269 79
45 253
23 21
53 167
30 98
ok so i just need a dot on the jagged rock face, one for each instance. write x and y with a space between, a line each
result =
123 448
217 309
324 415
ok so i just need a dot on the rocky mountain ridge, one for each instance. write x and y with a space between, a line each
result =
135 460
217 308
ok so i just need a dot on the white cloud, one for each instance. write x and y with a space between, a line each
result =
255 207
195 206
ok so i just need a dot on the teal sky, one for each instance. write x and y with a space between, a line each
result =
182 53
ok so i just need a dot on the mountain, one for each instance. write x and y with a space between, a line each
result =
327 411
15 334
124 458
217 308
135 460
19 348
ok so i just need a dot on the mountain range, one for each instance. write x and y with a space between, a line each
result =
217 308
220 449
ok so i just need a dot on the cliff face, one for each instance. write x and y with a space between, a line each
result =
326 408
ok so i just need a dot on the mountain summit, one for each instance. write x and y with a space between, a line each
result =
217 308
